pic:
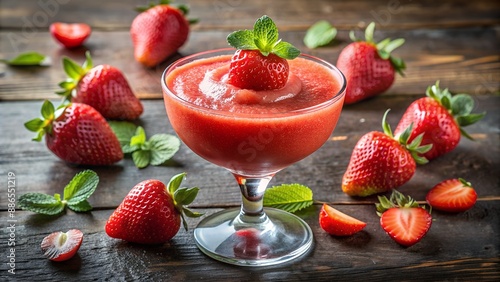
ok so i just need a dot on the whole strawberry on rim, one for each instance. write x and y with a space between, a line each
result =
103 87
158 32
77 134
380 162
368 66
260 61
151 213
440 118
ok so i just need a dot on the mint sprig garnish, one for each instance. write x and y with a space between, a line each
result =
28 59
319 34
75 196
133 140
288 197
265 38
182 196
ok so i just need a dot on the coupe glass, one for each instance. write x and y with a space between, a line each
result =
253 147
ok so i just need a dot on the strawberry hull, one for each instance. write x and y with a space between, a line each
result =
257 138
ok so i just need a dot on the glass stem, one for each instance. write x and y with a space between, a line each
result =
252 192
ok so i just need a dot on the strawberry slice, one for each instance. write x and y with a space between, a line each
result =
260 63
338 223
70 35
403 219
61 246
452 195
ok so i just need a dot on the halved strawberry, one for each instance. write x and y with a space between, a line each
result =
338 223
70 35
61 246
452 195
260 63
403 219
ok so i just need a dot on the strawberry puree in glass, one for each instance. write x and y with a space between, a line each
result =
248 132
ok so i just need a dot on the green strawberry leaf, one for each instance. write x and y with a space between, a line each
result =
185 196
82 206
80 187
28 59
369 31
190 213
265 38
72 69
288 197
319 34
175 183
41 203
470 119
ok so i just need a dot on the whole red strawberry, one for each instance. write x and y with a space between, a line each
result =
403 219
260 61
151 213
380 163
77 133
369 67
103 87
158 32
439 117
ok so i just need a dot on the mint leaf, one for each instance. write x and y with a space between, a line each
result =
41 203
242 39
163 147
28 59
288 197
80 187
265 38
124 131
82 206
139 137
319 34
141 158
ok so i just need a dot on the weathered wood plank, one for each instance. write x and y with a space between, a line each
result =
458 247
38 170
230 14
465 60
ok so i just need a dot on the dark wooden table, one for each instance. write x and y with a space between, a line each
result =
456 42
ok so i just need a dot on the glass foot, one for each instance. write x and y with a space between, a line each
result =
278 238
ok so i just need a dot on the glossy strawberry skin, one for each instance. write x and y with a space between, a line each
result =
250 69
378 163
451 196
70 35
106 89
147 215
405 225
81 135
438 125
158 33
366 73
337 223
56 249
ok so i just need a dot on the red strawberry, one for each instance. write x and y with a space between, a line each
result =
78 134
70 35
369 67
453 195
60 246
380 163
403 219
103 87
439 118
150 214
338 223
158 32
260 63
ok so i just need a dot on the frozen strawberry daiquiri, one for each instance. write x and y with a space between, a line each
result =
254 113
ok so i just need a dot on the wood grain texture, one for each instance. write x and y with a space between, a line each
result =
464 60
38 170
458 247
